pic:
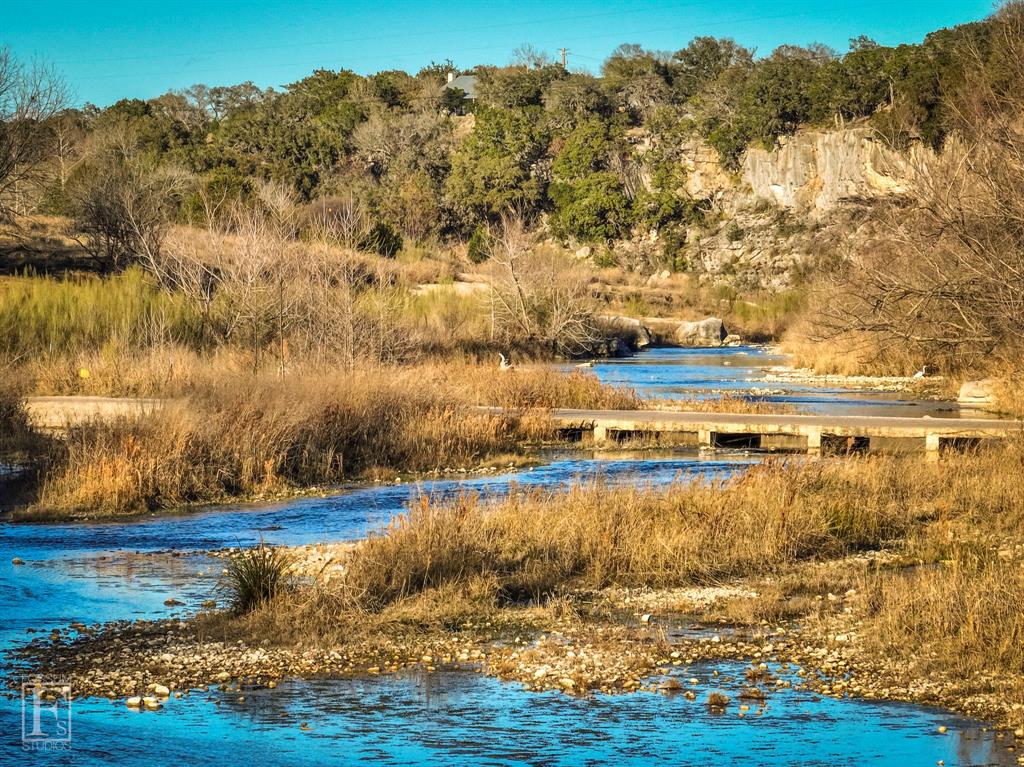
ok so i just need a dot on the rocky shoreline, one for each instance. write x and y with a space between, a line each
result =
931 387
613 642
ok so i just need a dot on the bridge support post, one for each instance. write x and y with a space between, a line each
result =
600 433
932 443
706 438
814 442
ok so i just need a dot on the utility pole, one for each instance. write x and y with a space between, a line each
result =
563 52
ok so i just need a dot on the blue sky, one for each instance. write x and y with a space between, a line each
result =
110 50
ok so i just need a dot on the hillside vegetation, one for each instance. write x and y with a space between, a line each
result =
318 224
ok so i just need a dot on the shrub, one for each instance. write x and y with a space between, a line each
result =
256 576
383 240
479 245
593 208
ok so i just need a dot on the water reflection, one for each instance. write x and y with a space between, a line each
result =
461 718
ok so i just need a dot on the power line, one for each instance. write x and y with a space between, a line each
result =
580 40
377 38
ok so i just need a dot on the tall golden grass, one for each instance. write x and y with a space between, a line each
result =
959 615
253 436
777 513
595 536
235 434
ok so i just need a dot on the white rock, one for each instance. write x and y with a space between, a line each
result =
133 702
977 392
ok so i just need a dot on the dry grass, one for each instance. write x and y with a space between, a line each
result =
726 403
248 435
1008 389
157 371
851 355
961 616
532 545
534 387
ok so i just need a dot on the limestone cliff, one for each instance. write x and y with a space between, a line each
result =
811 172
816 171
789 207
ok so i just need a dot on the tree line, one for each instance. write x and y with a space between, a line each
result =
381 159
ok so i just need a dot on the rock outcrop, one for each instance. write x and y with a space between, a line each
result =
783 209
818 170
710 332
812 172
629 329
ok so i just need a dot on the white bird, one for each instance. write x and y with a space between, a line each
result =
922 372
504 364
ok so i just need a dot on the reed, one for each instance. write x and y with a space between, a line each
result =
534 544
960 616
48 317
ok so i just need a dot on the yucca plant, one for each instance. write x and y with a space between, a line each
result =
255 576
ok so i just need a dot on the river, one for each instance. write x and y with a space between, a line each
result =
97 572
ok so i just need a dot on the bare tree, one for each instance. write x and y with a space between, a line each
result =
947 278
265 292
126 201
339 220
30 97
280 205
68 141
536 294
529 55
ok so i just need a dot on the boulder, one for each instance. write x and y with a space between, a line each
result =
732 340
709 332
616 347
977 392
630 329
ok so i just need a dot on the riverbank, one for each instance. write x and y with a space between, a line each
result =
244 437
881 578
602 645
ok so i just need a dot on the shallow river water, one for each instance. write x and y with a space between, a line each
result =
739 371
95 572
